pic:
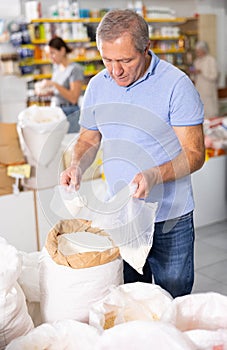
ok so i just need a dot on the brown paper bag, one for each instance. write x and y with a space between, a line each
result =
6 182
79 260
10 154
10 150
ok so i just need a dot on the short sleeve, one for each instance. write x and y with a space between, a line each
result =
87 114
186 107
76 73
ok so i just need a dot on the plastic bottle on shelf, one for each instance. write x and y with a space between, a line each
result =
75 9
139 7
130 5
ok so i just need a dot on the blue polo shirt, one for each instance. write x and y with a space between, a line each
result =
136 127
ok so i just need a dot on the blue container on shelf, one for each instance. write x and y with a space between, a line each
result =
84 13
26 69
25 52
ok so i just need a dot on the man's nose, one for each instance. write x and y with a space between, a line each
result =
117 68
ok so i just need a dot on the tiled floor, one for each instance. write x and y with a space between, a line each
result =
211 258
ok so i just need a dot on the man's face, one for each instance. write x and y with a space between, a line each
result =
123 62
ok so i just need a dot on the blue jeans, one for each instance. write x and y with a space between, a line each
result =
170 262
72 113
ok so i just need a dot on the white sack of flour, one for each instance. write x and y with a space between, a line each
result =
14 318
67 335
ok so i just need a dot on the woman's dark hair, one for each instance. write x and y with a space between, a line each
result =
57 43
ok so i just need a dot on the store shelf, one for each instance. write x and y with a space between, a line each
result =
41 76
160 37
44 41
66 20
48 76
167 51
43 62
178 20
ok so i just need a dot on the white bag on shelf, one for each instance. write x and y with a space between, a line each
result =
41 131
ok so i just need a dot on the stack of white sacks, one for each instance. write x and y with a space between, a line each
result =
136 315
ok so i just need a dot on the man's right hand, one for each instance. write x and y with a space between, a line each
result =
71 176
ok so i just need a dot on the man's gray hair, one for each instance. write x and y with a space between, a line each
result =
115 23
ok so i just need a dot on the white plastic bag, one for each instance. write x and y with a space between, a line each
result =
128 302
29 282
198 311
130 223
41 119
208 340
65 203
41 130
142 335
67 335
14 318
29 276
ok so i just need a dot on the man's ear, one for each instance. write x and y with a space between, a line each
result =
147 47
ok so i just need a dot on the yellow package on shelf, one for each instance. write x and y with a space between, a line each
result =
20 171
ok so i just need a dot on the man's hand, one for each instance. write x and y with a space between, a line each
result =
145 181
71 176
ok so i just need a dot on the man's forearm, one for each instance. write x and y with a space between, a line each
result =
83 155
184 164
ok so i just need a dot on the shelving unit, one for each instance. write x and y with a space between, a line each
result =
172 39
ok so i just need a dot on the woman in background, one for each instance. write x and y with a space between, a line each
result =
67 79
206 79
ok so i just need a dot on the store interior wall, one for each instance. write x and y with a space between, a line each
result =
12 9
